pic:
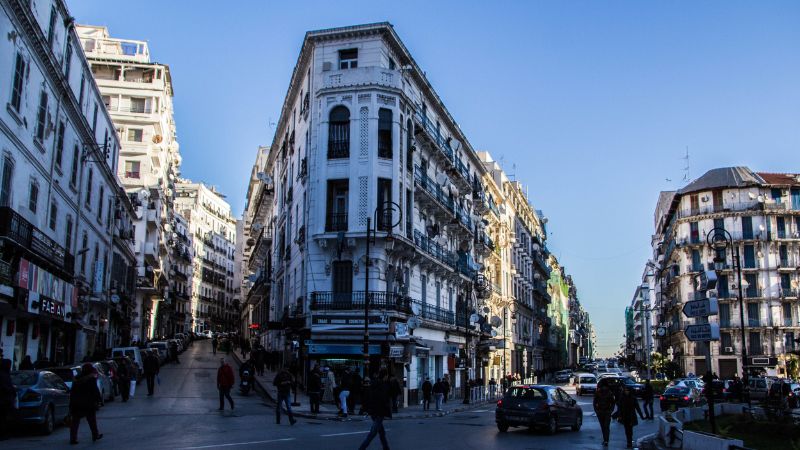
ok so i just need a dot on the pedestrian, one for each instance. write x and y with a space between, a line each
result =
446 386
647 392
314 389
330 386
427 389
438 393
344 391
604 403
26 363
628 411
7 395
84 399
225 382
124 380
214 343
173 352
284 382
378 408
394 392
151 371
258 354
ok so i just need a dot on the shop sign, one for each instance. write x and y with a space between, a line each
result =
39 281
331 322
50 307
47 247
341 349
400 330
396 351
422 352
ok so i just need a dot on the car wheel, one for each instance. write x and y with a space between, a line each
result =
502 426
49 421
552 425
578 423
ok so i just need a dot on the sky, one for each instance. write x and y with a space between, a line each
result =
592 105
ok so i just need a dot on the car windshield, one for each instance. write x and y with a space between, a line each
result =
527 393
588 380
65 374
24 378
677 390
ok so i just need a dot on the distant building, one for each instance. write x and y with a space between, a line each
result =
761 212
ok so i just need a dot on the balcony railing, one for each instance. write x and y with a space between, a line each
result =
433 189
432 248
344 301
789 292
444 146
436 313
336 222
338 148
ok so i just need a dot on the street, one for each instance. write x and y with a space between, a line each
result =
183 415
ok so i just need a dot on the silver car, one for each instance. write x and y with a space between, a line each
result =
104 383
43 398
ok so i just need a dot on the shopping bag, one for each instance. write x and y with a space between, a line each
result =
133 387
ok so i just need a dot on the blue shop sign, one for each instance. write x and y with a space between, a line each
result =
341 349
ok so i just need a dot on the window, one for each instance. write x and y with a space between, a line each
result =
51 30
775 193
80 95
5 187
41 117
694 233
68 231
718 203
384 133
73 174
787 314
781 227
342 280
788 341
132 169
749 257
348 59
138 105
753 318
724 315
89 189
135 135
53 216
33 196
60 145
67 60
100 204
754 341
338 193
726 343
423 281
752 288
722 287
385 219
19 82
339 133
392 65
94 119
409 145
747 227
697 265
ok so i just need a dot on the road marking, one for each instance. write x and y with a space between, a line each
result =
480 410
346 434
238 443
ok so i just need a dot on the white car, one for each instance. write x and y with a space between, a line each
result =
586 383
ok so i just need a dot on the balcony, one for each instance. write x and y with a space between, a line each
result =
731 207
347 301
433 249
433 191
427 130
752 292
336 222
361 76
756 322
789 292
483 243
436 313
462 218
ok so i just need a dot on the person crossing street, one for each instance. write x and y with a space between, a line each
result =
284 382
378 408
151 372
225 382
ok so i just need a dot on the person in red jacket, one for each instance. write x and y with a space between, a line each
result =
225 382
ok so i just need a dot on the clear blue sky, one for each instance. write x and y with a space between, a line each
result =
594 103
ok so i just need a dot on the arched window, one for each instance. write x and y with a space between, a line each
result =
339 133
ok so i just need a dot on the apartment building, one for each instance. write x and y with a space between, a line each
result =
137 94
64 225
212 229
183 268
760 212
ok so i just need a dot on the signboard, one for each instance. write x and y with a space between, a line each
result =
342 349
400 330
708 280
47 247
42 283
422 352
763 361
701 308
703 332
355 321
50 307
97 286
396 351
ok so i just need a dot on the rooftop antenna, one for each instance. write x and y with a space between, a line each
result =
686 171
513 174
272 123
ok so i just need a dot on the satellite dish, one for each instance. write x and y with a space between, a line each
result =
496 321
413 323
751 195
761 227
114 298
494 333
252 278
415 309
264 178
760 199
486 310
486 328
441 179
474 318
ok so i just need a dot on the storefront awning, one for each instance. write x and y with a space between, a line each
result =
341 349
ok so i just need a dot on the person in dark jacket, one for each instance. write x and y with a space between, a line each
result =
446 386
224 383
214 343
84 398
647 402
151 371
173 352
604 402
394 392
314 389
26 363
438 393
379 408
284 382
427 390
124 380
7 394
628 411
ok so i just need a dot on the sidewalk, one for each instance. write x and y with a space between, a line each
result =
328 411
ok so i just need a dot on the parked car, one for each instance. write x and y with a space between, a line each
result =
105 384
177 342
563 376
637 388
163 350
720 389
680 397
43 398
759 387
586 383
134 353
538 406
694 383
67 373
784 393
111 367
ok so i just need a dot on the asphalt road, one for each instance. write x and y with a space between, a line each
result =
183 415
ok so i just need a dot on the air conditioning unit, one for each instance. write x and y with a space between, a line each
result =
326 66
728 349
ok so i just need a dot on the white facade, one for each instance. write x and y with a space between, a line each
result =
138 95
59 184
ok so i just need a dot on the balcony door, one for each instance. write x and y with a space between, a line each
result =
342 284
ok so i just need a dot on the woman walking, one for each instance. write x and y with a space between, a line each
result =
604 403
83 401
628 410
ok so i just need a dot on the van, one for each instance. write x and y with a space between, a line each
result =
135 355
759 387
163 350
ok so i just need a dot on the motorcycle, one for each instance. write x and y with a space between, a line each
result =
246 383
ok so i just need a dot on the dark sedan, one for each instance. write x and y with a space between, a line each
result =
679 397
637 388
543 406
43 398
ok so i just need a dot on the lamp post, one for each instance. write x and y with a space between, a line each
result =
717 238
384 225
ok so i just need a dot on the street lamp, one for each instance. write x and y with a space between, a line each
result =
386 224
719 238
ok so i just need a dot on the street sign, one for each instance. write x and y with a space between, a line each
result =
703 332
708 280
701 308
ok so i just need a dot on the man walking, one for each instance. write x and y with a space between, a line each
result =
628 410
284 382
604 403
394 392
173 352
225 382
446 386
84 399
438 392
344 392
378 408
151 371
427 388
647 392
314 389
7 395
214 343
